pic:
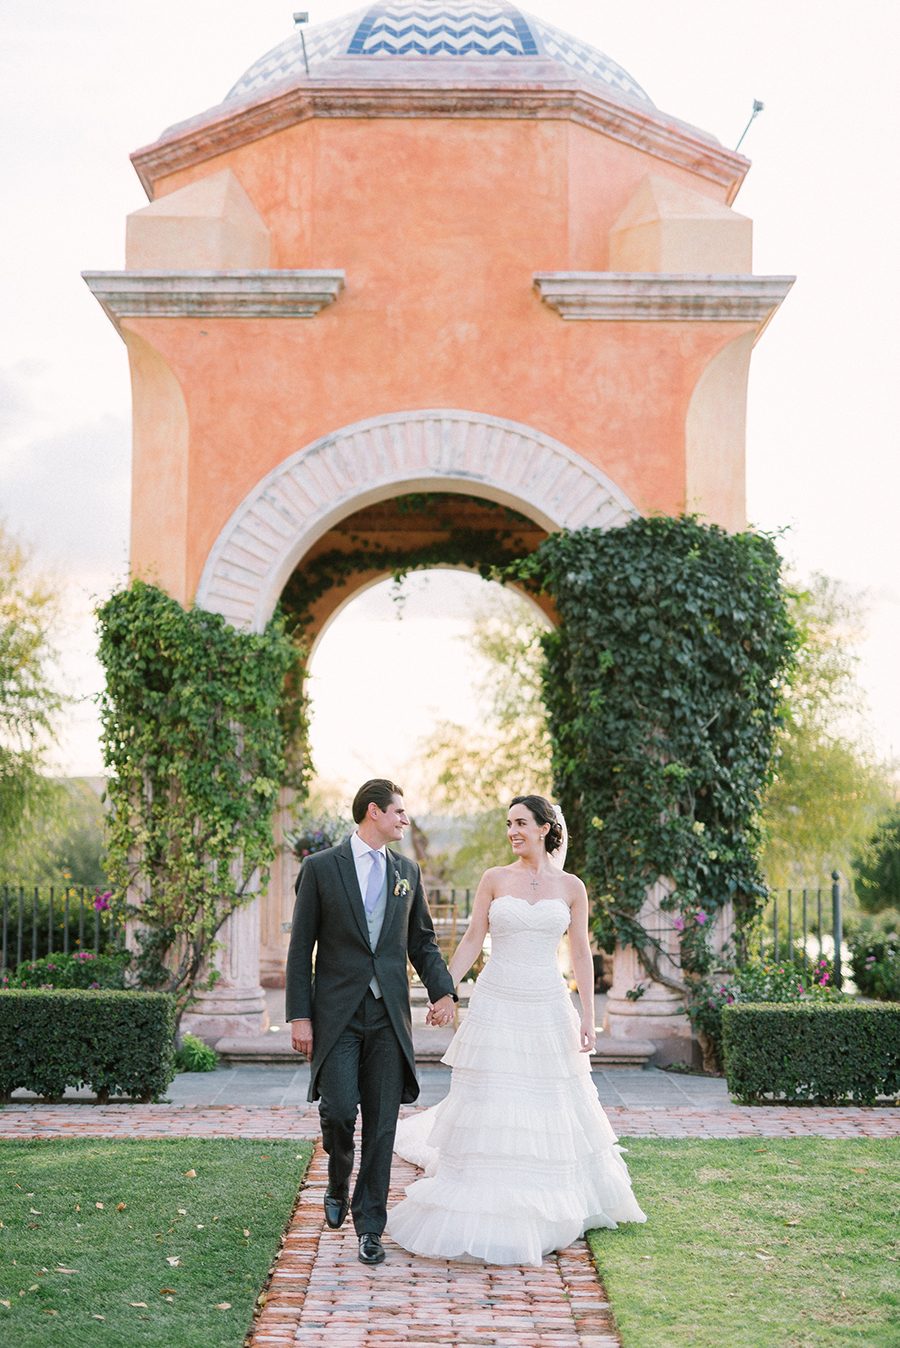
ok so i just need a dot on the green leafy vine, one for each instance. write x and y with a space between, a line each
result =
196 753
663 687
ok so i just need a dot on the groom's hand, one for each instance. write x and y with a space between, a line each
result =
302 1036
441 1013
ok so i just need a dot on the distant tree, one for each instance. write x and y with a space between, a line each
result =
29 699
474 771
64 843
829 786
877 868
477 769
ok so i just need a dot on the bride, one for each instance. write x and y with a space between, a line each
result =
519 1158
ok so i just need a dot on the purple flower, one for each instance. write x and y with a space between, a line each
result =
678 923
101 902
95 985
701 917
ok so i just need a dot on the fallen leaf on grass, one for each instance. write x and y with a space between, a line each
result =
7 1304
143 1305
65 1270
223 1306
843 1298
98 1317
35 1287
120 1207
859 1170
793 1221
99 1205
173 1261
246 1233
182 1212
757 1151
35 1212
764 1256
167 1291
46 1312
190 1174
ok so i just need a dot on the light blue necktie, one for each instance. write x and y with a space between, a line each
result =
373 886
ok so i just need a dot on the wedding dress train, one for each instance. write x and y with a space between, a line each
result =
519 1158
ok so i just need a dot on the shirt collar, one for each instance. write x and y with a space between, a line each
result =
362 849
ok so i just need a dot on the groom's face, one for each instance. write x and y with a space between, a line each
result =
391 822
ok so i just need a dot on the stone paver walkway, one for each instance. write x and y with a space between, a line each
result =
321 1295
85 1120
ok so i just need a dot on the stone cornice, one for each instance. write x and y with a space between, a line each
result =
226 127
214 294
648 297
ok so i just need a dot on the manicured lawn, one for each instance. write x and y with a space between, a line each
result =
758 1244
113 1245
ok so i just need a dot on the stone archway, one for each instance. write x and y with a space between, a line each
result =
369 461
285 515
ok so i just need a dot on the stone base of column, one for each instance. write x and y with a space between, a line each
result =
226 1012
656 1019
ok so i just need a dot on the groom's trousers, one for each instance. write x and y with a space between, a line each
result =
364 1071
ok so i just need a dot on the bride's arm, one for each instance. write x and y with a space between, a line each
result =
582 965
470 947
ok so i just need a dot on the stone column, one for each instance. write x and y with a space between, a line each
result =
277 904
658 1014
236 1005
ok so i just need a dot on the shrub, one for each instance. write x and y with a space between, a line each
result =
876 966
81 970
756 982
819 1052
195 1056
117 1043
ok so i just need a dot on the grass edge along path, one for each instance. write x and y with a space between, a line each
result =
138 1243
758 1243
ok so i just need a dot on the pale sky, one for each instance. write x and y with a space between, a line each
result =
84 83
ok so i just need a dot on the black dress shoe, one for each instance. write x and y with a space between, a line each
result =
371 1250
337 1205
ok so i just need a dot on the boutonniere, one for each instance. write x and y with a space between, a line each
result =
401 887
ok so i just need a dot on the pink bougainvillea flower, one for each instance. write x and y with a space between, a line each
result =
101 902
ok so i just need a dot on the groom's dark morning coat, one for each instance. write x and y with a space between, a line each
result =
329 917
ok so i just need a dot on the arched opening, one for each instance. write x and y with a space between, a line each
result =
420 535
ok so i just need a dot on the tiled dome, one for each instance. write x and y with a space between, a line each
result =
413 29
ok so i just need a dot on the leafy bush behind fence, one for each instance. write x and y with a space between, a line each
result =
37 921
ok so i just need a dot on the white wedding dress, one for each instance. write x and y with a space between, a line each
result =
519 1158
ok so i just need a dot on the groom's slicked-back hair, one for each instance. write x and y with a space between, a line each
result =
377 791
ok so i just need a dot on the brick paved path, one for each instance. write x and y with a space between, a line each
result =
289 1121
321 1295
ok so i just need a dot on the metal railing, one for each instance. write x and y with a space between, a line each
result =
805 915
451 896
38 921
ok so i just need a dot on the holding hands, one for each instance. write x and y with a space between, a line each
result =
441 1012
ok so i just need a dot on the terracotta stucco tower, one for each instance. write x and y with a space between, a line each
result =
445 247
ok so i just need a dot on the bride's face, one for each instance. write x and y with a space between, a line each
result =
526 835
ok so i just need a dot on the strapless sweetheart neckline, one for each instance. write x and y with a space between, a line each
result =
525 901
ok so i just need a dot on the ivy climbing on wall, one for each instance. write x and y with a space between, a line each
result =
663 687
195 751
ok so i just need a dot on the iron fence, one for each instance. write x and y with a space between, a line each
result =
38 921
446 896
797 918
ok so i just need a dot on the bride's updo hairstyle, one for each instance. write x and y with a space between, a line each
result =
544 813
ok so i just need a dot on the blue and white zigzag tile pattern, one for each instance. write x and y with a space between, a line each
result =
589 60
323 40
437 28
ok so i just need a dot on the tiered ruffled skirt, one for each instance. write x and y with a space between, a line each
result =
519 1158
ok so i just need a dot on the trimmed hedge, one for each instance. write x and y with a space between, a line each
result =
820 1052
117 1043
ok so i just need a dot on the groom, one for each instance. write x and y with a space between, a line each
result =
363 909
